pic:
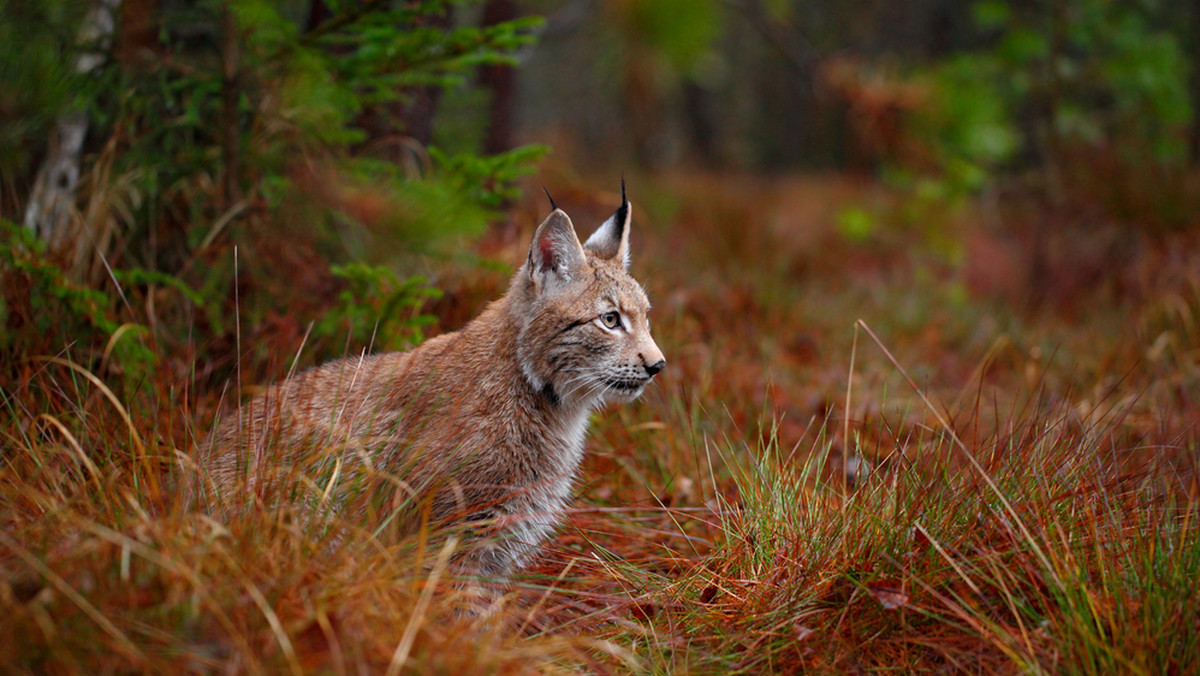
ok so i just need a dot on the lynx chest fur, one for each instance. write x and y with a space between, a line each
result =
484 425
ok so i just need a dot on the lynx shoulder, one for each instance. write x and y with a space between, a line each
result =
485 424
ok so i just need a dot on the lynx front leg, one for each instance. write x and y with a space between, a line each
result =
504 546
492 550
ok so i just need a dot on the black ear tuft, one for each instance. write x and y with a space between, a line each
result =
554 206
611 239
622 215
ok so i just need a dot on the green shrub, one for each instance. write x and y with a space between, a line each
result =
378 308
41 310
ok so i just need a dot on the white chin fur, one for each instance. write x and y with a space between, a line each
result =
623 396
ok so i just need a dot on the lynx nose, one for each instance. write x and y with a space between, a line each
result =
654 368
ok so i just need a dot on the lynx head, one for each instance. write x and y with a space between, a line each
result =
585 338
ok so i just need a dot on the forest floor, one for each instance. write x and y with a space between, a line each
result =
891 436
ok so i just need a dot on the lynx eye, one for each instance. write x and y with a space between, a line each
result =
610 320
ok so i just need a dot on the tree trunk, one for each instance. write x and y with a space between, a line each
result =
52 199
1195 84
416 115
502 82
701 128
230 143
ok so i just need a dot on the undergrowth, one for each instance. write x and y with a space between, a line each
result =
1039 554
947 485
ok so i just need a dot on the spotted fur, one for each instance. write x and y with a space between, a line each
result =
484 426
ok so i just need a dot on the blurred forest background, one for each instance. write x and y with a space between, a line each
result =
198 196
144 139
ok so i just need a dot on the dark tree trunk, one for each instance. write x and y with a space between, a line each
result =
1195 84
702 132
501 81
137 39
418 116
318 13
230 141
791 42
413 117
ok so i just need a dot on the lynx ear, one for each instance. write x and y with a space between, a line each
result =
611 240
555 255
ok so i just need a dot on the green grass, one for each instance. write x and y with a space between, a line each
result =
1030 504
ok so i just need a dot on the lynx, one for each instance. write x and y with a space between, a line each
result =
484 426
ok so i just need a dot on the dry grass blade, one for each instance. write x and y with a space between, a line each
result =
846 474
542 600
157 558
93 471
68 591
140 448
400 657
281 635
115 339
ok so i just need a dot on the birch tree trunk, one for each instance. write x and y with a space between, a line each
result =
52 200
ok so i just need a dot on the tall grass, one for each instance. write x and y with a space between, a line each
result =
105 570
1025 501
1052 559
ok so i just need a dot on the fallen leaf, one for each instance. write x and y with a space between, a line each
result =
888 594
